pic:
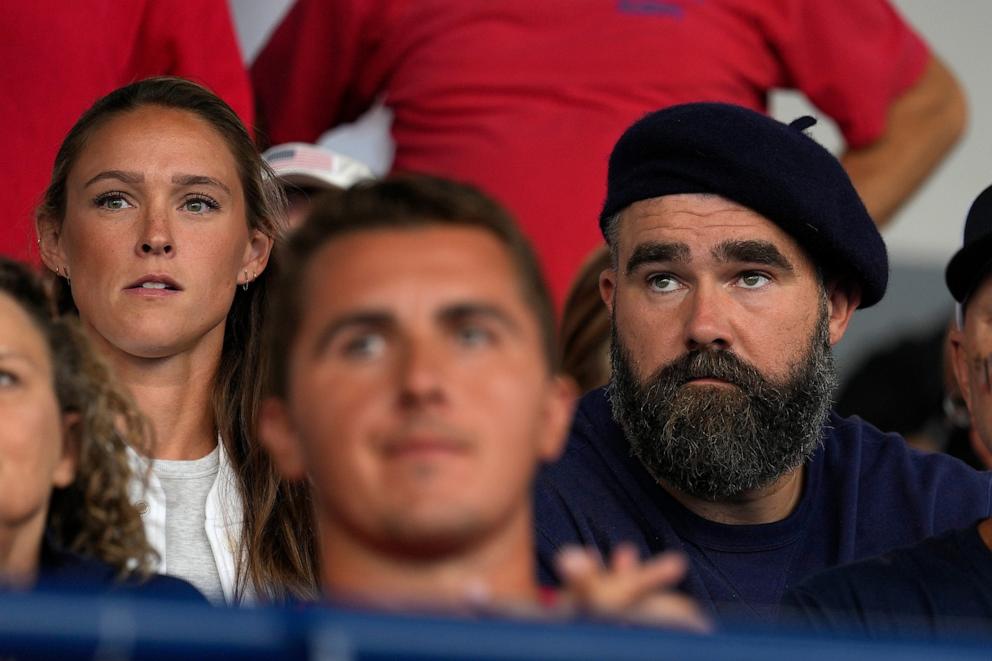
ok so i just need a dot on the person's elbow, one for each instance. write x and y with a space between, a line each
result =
938 102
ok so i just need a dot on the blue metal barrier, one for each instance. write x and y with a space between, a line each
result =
49 626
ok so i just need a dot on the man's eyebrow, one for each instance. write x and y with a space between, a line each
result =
754 251
199 180
120 175
363 319
462 311
658 252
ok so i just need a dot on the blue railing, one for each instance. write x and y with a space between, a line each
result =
48 626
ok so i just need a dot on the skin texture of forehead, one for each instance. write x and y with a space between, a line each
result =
486 246
20 335
701 205
149 115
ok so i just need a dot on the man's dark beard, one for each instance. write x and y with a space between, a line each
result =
716 442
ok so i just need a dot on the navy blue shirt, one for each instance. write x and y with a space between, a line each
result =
938 588
864 493
64 571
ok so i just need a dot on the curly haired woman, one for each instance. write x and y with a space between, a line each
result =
66 520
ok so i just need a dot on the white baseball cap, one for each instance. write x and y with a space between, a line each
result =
303 164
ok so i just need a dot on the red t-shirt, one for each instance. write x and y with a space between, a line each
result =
57 58
525 98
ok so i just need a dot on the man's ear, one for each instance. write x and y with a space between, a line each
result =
50 244
959 362
65 469
843 298
560 406
280 439
608 287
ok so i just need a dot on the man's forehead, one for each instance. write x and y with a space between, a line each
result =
433 266
700 220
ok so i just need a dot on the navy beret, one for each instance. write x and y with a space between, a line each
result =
969 265
772 168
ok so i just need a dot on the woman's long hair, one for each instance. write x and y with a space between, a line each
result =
278 553
93 515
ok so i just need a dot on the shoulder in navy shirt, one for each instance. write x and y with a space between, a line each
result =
864 493
64 571
941 587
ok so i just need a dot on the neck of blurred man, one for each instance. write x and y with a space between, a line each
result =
497 570
981 450
20 552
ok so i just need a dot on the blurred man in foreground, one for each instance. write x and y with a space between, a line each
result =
414 384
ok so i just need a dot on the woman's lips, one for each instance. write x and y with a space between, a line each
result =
154 286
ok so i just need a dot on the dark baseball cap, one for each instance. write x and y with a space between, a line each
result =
972 262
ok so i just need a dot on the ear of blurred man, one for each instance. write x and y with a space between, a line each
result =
280 439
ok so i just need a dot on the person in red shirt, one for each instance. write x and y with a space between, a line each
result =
60 57
525 99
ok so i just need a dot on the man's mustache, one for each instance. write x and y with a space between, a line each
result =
720 364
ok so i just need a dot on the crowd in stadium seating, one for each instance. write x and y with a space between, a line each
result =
273 379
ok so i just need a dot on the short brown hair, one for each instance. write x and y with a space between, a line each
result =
400 202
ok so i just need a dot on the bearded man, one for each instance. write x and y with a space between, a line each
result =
740 251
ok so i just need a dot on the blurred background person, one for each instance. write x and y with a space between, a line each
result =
585 326
66 521
525 99
305 170
908 386
901 388
942 586
159 221
59 57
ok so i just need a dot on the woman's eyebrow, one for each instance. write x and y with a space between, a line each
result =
199 180
13 354
119 175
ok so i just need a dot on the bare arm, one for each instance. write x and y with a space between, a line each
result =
922 126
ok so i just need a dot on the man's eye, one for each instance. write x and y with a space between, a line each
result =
474 336
663 282
8 379
365 346
113 201
754 280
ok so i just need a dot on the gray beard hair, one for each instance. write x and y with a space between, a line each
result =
716 443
